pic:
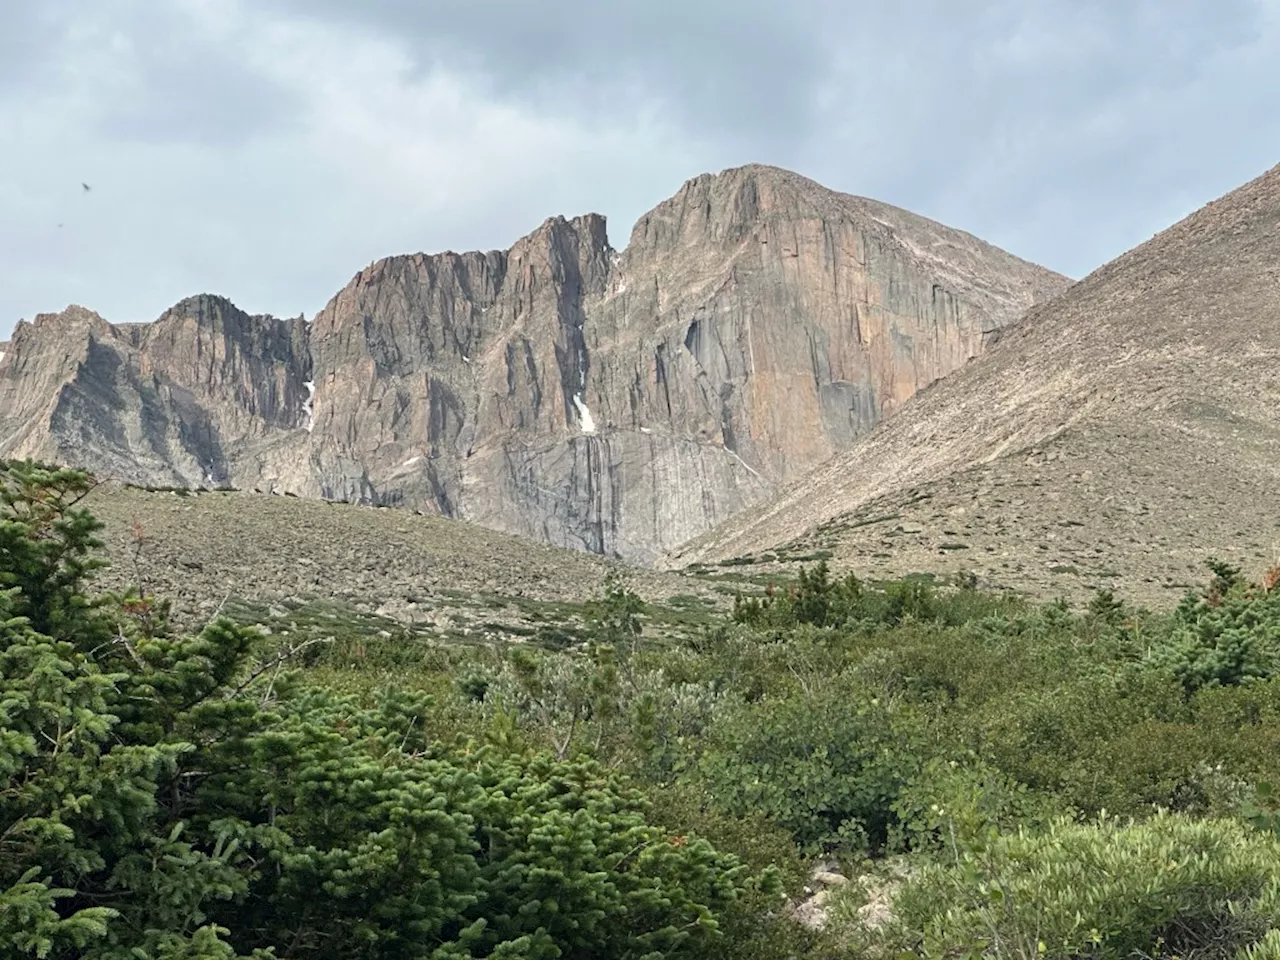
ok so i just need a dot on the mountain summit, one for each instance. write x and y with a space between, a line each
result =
617 402
1122 433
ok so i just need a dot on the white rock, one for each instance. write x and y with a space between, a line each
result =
829 878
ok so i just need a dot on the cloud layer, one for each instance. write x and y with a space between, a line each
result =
268 150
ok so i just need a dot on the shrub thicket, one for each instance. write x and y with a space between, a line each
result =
1166 887
1046 782
170 796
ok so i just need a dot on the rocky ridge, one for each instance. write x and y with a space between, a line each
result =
616 402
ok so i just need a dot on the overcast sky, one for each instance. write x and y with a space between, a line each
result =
269 149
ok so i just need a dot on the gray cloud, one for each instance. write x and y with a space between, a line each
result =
740 69
185 87
30 31
268 149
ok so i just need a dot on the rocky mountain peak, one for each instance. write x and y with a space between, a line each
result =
1122 432
620 403
72 322
205 310
52 344
573 252
719 208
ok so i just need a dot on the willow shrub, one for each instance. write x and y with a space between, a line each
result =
1107 890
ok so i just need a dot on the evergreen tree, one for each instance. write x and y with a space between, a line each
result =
170 797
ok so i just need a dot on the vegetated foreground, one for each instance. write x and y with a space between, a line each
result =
974 774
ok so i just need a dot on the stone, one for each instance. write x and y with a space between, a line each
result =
828 878
1155 377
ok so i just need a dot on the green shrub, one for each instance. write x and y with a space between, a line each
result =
815 598
1169 887
828 767
1230 636
950 802
689 807
168 797
1121 740
626 787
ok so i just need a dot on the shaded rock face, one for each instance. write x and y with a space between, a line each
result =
197 397
620 403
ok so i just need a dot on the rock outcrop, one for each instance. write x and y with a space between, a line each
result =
202 396
616 402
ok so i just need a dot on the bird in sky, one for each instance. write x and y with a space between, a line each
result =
87 188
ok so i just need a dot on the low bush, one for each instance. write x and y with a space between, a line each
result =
828 768
1106 890
167 797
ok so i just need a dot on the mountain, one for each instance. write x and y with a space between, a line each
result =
1121 434
187 399
616 402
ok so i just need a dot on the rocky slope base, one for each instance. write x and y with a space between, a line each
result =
1124 432
615 402
273 559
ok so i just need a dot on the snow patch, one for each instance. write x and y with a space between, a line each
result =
411 461
645 430
1 354
308 405
588 424
744 463
623 288
466 359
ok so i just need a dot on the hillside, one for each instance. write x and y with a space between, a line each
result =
615 402
288 561
1119 435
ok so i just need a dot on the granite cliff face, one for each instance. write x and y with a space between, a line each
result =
1119 436
617 402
